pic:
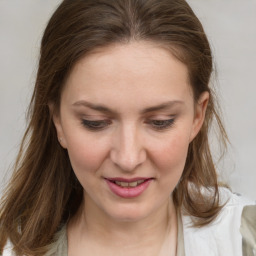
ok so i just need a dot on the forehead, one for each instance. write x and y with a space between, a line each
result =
140 70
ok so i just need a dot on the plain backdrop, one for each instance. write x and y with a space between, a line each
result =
231 29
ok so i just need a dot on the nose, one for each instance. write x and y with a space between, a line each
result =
127 150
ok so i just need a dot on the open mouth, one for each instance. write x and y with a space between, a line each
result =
128 188
131 184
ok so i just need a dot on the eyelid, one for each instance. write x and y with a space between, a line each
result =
96 125
161 124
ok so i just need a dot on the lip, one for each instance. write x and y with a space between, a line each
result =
128 192
128 180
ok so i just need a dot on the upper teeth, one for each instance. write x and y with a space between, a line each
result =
129 184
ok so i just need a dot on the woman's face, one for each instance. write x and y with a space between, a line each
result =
126 118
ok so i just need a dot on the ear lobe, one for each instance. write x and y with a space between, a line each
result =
57 123
200 110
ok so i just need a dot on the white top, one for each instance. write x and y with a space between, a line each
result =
232 233
223 237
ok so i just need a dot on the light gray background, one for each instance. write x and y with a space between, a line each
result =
231 28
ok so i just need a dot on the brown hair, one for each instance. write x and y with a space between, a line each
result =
44 192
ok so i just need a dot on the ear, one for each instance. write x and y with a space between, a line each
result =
199 116
58 125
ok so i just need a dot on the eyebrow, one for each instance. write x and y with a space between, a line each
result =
162 106
104 109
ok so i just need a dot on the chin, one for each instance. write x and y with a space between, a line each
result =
129 213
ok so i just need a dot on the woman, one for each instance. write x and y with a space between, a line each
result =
116 160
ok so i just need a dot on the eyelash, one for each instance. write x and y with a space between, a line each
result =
95 125
161 124
98 125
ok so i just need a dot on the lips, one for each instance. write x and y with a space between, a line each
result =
128 188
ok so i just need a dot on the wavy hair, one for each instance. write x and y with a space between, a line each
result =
43 192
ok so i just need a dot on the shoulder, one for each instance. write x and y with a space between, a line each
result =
60 245
57 248
223 236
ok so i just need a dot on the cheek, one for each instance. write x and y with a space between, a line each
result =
85 153
170 161
170 155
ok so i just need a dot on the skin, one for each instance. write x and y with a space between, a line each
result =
129 80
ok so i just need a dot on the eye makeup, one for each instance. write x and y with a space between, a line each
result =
161 124
96 125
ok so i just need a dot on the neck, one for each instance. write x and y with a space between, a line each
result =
158 229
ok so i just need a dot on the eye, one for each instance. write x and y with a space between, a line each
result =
161 124
95 125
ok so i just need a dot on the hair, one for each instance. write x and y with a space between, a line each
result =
43 192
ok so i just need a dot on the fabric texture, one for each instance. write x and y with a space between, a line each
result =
60 246
248 230
221 237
